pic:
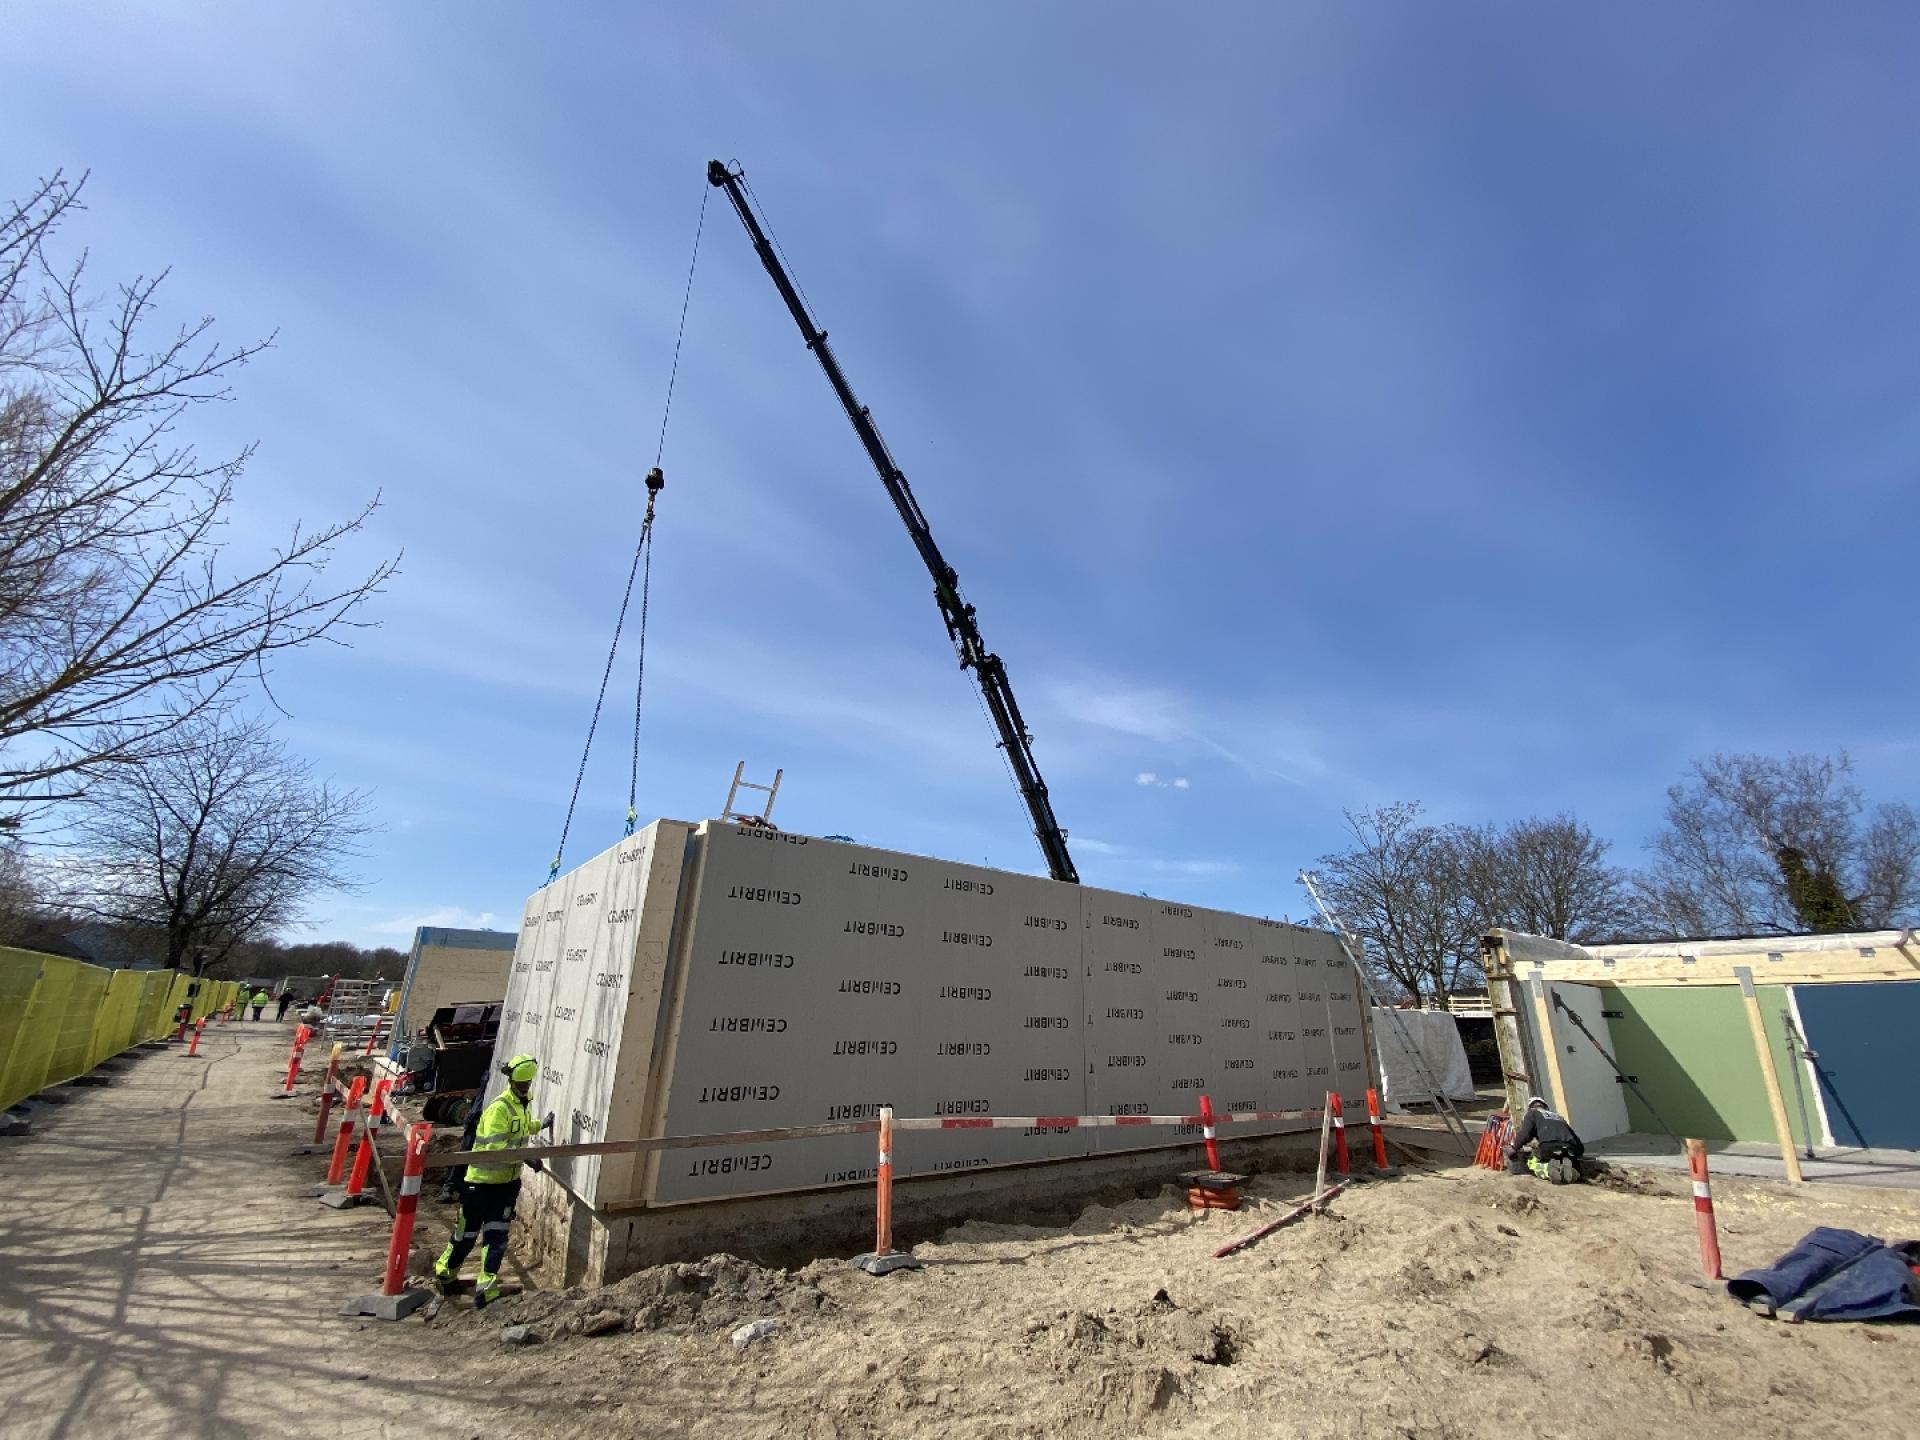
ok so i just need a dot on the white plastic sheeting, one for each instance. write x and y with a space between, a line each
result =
1436 1036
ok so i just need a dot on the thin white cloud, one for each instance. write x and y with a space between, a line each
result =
1265 745
444 917
1151 780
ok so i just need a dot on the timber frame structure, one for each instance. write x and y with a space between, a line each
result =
1520 967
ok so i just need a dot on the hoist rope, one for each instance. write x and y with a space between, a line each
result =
642 567
640 680
646 531
685 299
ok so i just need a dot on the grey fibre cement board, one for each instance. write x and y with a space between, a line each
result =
581 996
817 980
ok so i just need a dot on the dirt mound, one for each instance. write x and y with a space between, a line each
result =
716 1293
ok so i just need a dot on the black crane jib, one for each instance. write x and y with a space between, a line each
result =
962 629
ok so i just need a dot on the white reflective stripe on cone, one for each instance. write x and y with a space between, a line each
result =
886 1158
409 1184
1702 1190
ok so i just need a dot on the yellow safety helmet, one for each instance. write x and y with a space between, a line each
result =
522 1069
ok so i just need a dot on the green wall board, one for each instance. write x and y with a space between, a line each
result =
1691 1052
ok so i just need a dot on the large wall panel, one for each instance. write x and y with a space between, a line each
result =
782 980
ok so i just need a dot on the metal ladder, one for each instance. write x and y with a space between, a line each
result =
740 782
1442 1105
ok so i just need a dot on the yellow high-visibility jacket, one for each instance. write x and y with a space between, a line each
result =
506 1124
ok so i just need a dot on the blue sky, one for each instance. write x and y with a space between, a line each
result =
1494 405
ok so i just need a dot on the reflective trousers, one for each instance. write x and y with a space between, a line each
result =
486 1217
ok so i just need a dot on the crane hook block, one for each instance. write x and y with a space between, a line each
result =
656 482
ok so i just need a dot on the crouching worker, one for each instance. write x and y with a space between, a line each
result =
1556 1149
489 1191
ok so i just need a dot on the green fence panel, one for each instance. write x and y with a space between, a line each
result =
176 997
148 1021
20 972
113 1031
73 1048
33 1053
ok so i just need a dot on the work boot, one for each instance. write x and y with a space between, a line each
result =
1563 1170
486 1291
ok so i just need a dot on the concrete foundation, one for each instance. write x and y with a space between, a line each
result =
570 1243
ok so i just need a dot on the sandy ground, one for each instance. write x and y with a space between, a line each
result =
160 1275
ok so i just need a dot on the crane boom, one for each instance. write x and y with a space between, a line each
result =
962 628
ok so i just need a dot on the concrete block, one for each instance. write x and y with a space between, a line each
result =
885 1264
387 1307
335 1197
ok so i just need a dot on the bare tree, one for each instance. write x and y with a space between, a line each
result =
121 613
1402 891
1757 845
1420 896
220 840
1548 877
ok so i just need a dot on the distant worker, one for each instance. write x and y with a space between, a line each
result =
1556 1149
286 1003
489 1191
260 999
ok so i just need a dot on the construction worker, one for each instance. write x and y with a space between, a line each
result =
1557 1150
260 999
488 1195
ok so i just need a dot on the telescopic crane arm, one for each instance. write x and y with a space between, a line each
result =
962 628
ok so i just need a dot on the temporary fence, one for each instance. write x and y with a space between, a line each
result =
416 1161
59 1018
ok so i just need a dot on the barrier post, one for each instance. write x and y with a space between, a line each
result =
1703 1210
326 1094
193 1045
1207 1132
337 1167
883 1212
1379 1135
373 1036
395 1301
1339 1132
293 1062
883 1258
363 1157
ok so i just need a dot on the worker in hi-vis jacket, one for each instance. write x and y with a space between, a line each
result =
488 1196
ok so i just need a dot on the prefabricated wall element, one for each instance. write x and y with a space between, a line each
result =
1594 1101
452 967
584 995
697 980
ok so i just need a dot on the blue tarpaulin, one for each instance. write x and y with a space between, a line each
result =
1834 1275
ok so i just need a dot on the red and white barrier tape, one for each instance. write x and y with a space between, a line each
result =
1093 1122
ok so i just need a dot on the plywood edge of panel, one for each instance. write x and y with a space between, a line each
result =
669 1011
620 1175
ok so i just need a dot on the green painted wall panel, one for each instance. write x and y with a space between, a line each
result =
1691 1052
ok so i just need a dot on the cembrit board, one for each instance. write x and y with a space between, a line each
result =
583 995
817 981
693 980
